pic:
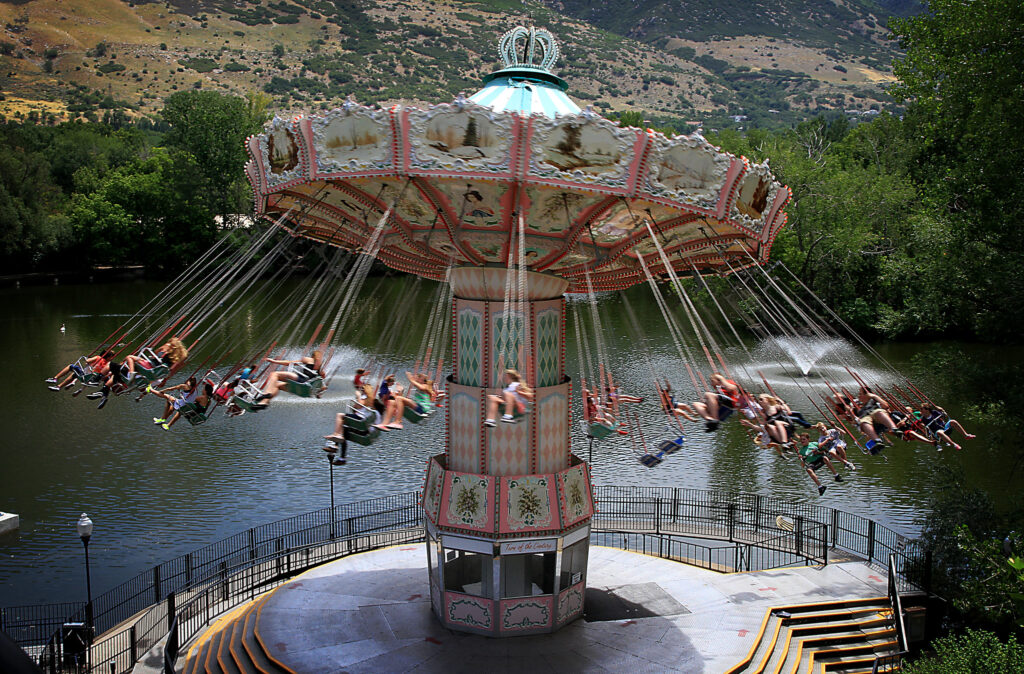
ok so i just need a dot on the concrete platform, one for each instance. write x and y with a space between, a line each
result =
371 613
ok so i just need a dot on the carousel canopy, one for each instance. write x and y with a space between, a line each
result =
462 183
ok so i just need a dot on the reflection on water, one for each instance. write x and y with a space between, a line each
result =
155 494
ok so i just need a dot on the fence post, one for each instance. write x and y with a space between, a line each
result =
133 643
799 539
252 544
871 540
156 584
348 535
224 581
732 520
170 610
757 512
657 514
835 527
675 504
278 547
188 568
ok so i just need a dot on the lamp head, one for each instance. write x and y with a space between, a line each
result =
84 527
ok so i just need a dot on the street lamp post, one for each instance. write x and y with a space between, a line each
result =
332 448
85 533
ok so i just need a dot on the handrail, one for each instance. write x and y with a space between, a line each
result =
897 605
739 518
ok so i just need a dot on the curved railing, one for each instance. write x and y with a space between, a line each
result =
762 532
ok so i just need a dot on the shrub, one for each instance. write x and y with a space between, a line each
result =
110 67
973 652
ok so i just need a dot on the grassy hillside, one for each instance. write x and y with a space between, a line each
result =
69 58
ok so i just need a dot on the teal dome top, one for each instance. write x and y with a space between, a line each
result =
525 84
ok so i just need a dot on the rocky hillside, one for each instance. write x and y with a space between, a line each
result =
712 61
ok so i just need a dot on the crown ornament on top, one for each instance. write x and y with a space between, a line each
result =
524 47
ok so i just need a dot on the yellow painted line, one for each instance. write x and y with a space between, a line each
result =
860 624
217 626
831 652
256 632
842 603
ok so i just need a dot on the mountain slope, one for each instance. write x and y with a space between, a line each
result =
86 57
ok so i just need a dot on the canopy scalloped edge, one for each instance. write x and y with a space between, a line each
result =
459 180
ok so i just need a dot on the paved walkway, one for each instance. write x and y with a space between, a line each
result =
371 613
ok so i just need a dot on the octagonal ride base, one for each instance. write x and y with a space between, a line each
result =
507 508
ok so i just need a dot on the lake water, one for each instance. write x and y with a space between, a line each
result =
154 495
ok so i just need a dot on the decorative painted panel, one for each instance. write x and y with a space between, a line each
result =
469 344
351 139
526 614
570 603
469 501
574 495
552 418
465 420
508 447
472 612
528 503
548 346
433 489
507 337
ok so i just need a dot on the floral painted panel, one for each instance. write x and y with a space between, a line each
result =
469 504
574 488
527 504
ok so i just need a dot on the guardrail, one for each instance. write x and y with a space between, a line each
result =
764 532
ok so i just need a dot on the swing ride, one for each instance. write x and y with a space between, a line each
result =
510 198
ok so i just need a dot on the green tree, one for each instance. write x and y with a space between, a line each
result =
962 77
212 128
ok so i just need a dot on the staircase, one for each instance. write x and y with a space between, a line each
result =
841 636
233 646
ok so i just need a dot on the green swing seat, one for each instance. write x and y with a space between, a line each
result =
599 430
246 394
358 426
423 401
311 385
85 375
156 370
193 414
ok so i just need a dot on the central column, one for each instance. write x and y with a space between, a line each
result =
507 508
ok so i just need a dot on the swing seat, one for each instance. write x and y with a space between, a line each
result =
305 389
361 420
599 430
245 396
84 373
192 414
155 370
651 460
667 447
364 439
414 416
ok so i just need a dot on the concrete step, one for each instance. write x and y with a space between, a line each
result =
786 658
251 645
777 622
210 665
225 661
852 658
277 666
840 648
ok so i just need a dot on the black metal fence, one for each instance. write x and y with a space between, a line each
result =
185 592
